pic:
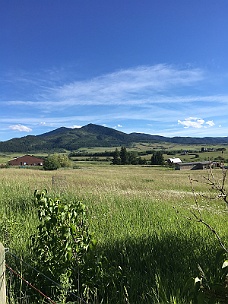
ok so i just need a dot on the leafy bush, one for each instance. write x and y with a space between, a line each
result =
62 242
56 161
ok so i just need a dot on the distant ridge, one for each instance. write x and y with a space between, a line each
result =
55 132
93 135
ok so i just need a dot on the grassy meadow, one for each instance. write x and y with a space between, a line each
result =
187 153
139 217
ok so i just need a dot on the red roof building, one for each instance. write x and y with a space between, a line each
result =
26 160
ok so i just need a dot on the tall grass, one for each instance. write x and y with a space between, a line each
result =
133 215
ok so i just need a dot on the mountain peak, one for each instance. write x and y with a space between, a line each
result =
59 131
92 135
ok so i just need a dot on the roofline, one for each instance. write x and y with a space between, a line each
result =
196 163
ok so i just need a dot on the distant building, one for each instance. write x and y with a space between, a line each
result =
174 160
26 160
194 165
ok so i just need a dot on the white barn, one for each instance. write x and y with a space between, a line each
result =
174 160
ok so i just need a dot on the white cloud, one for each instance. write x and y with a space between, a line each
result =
20 128
143 85
210 123
118 126
76 127
192 122
138 98
197 123
158 95
131 86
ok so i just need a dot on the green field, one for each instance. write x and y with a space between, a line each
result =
139 216
187 153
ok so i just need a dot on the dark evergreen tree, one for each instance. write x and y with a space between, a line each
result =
116 157
132 158
124 156
157 158
141 161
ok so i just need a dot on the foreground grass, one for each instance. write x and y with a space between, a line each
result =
133 215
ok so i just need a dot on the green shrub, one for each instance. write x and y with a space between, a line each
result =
56 161
62 242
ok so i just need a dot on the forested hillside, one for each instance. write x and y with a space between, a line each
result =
93 135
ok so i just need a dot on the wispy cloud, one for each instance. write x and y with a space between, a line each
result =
144 86
210 123
160 95
20 128
129 86
140 85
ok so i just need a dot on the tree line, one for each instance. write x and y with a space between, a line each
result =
119 157
123 157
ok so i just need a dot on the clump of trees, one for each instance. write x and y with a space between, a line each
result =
123 157
157 158
56 161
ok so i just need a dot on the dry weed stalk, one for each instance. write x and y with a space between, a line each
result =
220 189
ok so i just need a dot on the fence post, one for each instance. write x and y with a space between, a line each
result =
2 275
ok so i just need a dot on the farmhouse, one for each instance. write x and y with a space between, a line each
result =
194 165
26 160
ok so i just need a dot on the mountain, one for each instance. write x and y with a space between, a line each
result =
92 135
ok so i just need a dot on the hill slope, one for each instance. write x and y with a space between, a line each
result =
92 135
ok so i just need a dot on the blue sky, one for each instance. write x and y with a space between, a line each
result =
151 66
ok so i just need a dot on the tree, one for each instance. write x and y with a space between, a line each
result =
141 161
63 160
157 158
51 163
127 158
124 156
116 157
56 161
132 158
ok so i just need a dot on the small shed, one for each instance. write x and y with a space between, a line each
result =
194 165
26 160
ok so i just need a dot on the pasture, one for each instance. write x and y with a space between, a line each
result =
139 217
187 153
